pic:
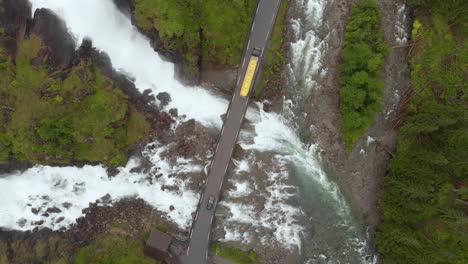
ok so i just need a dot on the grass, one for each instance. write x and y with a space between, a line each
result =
363 55
113 249
235 254
163 228
275 55
81 116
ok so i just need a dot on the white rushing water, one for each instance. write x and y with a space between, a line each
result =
131 53
319 223
274 135
71 189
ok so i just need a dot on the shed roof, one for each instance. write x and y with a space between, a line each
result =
159 240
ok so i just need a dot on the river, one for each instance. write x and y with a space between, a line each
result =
296 206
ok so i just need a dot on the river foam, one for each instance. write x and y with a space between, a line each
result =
27 196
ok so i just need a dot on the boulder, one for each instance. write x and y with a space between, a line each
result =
54 34
14 21
125 6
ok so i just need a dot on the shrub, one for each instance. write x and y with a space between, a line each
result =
362 56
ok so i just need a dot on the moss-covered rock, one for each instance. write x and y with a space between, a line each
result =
54 114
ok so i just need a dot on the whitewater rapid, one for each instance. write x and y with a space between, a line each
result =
131 53
272 135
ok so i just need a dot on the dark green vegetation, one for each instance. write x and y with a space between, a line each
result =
274 59
425 200
212 29
53 117
52 249
363 56
235 254
113 249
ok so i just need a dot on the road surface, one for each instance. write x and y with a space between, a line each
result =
262 26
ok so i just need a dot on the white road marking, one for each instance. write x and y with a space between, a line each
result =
248 45
188 250
253 26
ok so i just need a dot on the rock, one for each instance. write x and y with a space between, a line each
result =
125 6
54 34
222 78
45 214
86 49
192 138
112 172
164 98
35 211
60 219
106 199
38 222
67 205
14 21
174 112
148 95
53 210
267 106
21 222
171 208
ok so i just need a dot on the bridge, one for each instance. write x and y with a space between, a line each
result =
261 27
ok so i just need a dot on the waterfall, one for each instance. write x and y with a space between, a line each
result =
281 195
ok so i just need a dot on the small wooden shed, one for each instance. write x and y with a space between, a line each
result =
157 245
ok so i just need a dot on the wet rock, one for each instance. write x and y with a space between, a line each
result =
60 219
54 34
67 205
14 21
86 49
267 106
21 222
148 94
222 78
40 222
45 214
164 98
171 208
174 112
53 210
125 6
192 138
35 211
106 199
112 172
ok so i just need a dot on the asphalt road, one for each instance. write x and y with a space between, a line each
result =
262 26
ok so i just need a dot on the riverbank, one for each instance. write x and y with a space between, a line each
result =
360 173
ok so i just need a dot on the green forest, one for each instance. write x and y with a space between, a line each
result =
363 55
425 199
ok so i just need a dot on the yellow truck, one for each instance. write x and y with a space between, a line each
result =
249 76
